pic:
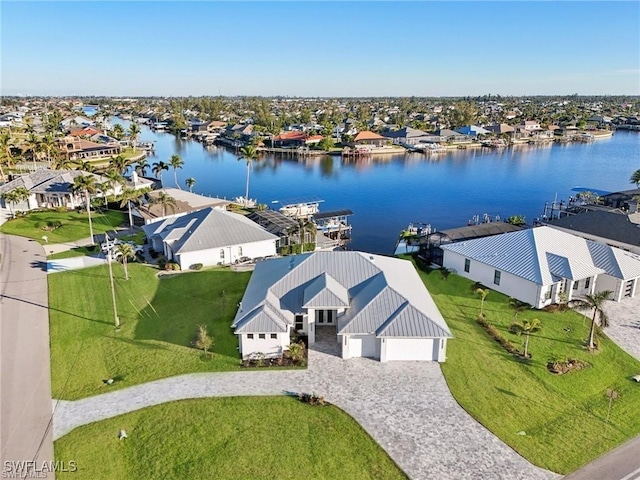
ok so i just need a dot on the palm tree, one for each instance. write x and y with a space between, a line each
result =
518 306
158 167
303 228
15 196
104 188
118 131
62 163
33 143
5 151
165 200
115 179
86 185
635 178
190 182
483 292
142 166
249 154
86 167
125 252
527 328
595 302
130 196
176 162
48 143
134 131
119 163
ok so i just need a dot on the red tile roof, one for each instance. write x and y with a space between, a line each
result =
290 136
85 131
367 135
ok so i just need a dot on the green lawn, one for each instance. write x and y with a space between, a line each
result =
564 417
75 252
75 226
159 318
227 438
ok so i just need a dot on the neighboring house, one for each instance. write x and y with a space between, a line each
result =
52 189
75 148
373 306
614 229
500 128
408 136
528 128
85 132
369 138
542 265
627 199
472 130
447 135
78 120
289 140
186 202
210 237
10 119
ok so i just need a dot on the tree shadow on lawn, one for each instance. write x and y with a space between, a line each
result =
55 309
138 343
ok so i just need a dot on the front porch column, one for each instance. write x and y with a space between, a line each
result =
311 325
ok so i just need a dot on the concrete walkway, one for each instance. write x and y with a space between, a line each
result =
73 263
624 324
405 406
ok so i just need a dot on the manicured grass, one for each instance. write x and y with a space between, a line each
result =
75 252
159 318
564 417
227 438
75 225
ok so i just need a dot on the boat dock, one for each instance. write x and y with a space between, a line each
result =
294 152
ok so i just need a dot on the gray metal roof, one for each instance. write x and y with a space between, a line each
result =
374 288
206 229
525 254
334 213
602 224
263 319
47 181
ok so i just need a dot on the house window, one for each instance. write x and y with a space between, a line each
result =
299 322
547 296
467 265
274 335
587 282
222 253
496 277
250 336
239 251
262 336
575 285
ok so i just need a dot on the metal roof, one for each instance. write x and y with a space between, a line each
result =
374 287
263 319
334 213
273 221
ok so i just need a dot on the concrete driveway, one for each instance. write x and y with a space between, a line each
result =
624 324
74 263
405 406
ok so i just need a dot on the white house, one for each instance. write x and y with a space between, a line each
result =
542 265
210 237
373 306
186 202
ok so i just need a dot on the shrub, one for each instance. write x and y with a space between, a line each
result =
297 353
162 262
497 336
196 266
203 340
312 399
52 225
174 266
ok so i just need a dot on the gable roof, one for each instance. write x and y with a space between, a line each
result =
542 254
374 289
206 229
407 132
367 135
46 181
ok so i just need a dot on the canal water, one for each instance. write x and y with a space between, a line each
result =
387 193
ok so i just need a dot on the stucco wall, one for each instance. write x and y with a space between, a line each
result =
270 347
211 257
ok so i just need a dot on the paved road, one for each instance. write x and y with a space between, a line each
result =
25 376
622 463
405 406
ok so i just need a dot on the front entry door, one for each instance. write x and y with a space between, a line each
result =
325 317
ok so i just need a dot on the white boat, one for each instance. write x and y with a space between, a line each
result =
245 202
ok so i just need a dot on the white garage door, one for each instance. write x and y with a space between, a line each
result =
364 346
410 349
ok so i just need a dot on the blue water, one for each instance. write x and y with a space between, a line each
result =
388 193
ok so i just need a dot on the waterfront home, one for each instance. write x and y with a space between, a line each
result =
544 265
408 136
370 305
77 120
527 128
53 189
368 138
609 227
450 136
75 148
85 132
472 131
10 119
210 237
499 128
150 210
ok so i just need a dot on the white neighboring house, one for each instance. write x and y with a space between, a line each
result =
210 237
186 202
373 306
539 265
52 189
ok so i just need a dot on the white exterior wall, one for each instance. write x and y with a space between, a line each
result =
607 282
510 285
270 347
211 257
310 324
354 346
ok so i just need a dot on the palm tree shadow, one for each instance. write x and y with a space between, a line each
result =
54 309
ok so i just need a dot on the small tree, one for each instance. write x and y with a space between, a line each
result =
483 292
125 251
203 340
525 328
595 302
190 182
518 306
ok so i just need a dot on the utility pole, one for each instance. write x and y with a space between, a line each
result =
113 290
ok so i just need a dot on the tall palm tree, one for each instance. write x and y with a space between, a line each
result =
125 251
249 154
86 185
158 167
176 162
86 167
483 292
62 163
48 143
190 182
526 328
595 302
118 131
104 188
5 151
165 200
303 228
635 178
134 131
130 196
141 167
115 179
119 163
33 144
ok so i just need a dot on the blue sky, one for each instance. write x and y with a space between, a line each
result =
320 49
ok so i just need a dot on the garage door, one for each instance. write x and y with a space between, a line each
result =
364 346
410 349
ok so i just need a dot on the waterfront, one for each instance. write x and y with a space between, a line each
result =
387 193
